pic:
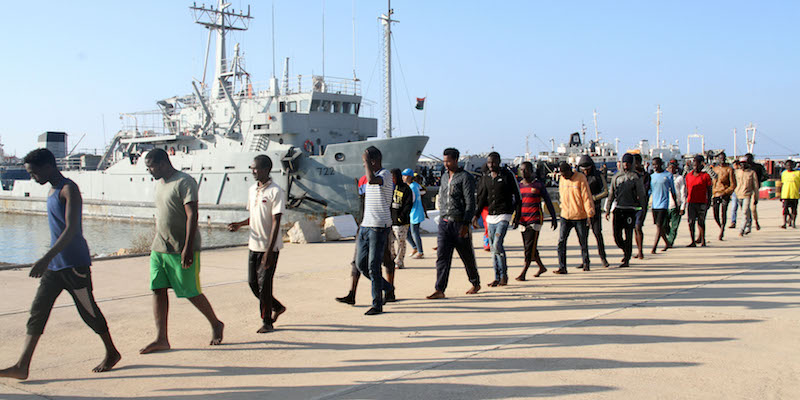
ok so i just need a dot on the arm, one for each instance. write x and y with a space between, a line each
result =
234 226
641 194
469 199
603 193
516 198
549 203
273 238
482 199
187 256
408 204
611 195
371 178
672 192
732 179
586 195
72 197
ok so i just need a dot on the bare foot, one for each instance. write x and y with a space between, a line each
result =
653 251
15 372
665 248
109 362
265 329
639 256
703 244
474 289
540 272
216 339
157 345
521 278
277 314
692 245
436 295
721 234
606 264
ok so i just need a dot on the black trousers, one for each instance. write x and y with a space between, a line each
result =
624 222
78 282
448 240
596 223
260 281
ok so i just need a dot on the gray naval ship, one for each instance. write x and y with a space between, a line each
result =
310 126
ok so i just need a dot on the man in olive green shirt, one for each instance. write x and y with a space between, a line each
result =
175 253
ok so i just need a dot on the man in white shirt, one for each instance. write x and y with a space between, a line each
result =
375 227
266 202
678 207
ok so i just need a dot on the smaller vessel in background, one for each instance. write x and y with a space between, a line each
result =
603 153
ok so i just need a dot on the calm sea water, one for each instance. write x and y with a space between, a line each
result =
25 238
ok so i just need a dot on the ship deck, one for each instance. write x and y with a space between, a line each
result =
715 322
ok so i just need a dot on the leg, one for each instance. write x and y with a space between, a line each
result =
597 231
388 255
674 224
566 228
410 240
754 211
536 256
629 225
50 288
201 303
500 251
498 272
267 301
701 225
734 210
582 229
78 282
527 245
253 262
160 310
716 203
444 255
467 254
415 234
692 217
377 238
639 234
400 233
724 215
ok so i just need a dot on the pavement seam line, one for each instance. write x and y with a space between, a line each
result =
26 391
361 386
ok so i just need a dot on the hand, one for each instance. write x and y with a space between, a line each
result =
38 268
515 225
608 216
233 227
464 231
475 222
267 256
554 224
187 258
683 212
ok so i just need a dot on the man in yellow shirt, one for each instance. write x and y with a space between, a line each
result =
790 192
577 206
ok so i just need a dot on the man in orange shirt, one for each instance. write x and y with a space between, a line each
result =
577 206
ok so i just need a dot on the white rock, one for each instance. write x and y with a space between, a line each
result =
305 231
340 226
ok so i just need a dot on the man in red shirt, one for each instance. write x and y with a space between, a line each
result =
698 189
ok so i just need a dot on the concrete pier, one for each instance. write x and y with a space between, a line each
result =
720 322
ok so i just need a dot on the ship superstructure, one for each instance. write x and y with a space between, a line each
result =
602 152
310 126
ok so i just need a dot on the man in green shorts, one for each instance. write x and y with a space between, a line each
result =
175 254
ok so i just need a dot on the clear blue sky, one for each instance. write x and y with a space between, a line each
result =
493 71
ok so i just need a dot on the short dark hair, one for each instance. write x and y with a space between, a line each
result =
528 164
40 157
495 155
657 160
637 158
374 154
157 155
263 162
397 174
564 167
699 159
749 157
722 153
790 162
451 152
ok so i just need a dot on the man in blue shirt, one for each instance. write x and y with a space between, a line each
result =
64 267
661 187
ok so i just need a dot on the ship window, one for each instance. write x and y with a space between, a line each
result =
337 107
282 106
229 167
347 108
303 106
326 106
315 104
259 127
292 106
357 108
339 157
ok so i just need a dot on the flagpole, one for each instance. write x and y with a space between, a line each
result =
424 114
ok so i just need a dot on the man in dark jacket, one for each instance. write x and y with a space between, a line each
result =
402 201
627 194
456 210
599 188
498 191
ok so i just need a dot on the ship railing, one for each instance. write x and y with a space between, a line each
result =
149 123
298 84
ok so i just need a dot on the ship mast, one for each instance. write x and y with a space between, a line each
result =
386 20
658 126
750 137
596 131
221 20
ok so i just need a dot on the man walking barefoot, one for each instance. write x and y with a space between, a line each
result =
64 267
661 187
698 189
723 187
175 255
266 203
533 191
577 207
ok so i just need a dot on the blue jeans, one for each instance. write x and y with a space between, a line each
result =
414 238
735 207
371 244
497 234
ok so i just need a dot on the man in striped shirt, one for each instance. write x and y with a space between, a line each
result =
375 227
533 192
